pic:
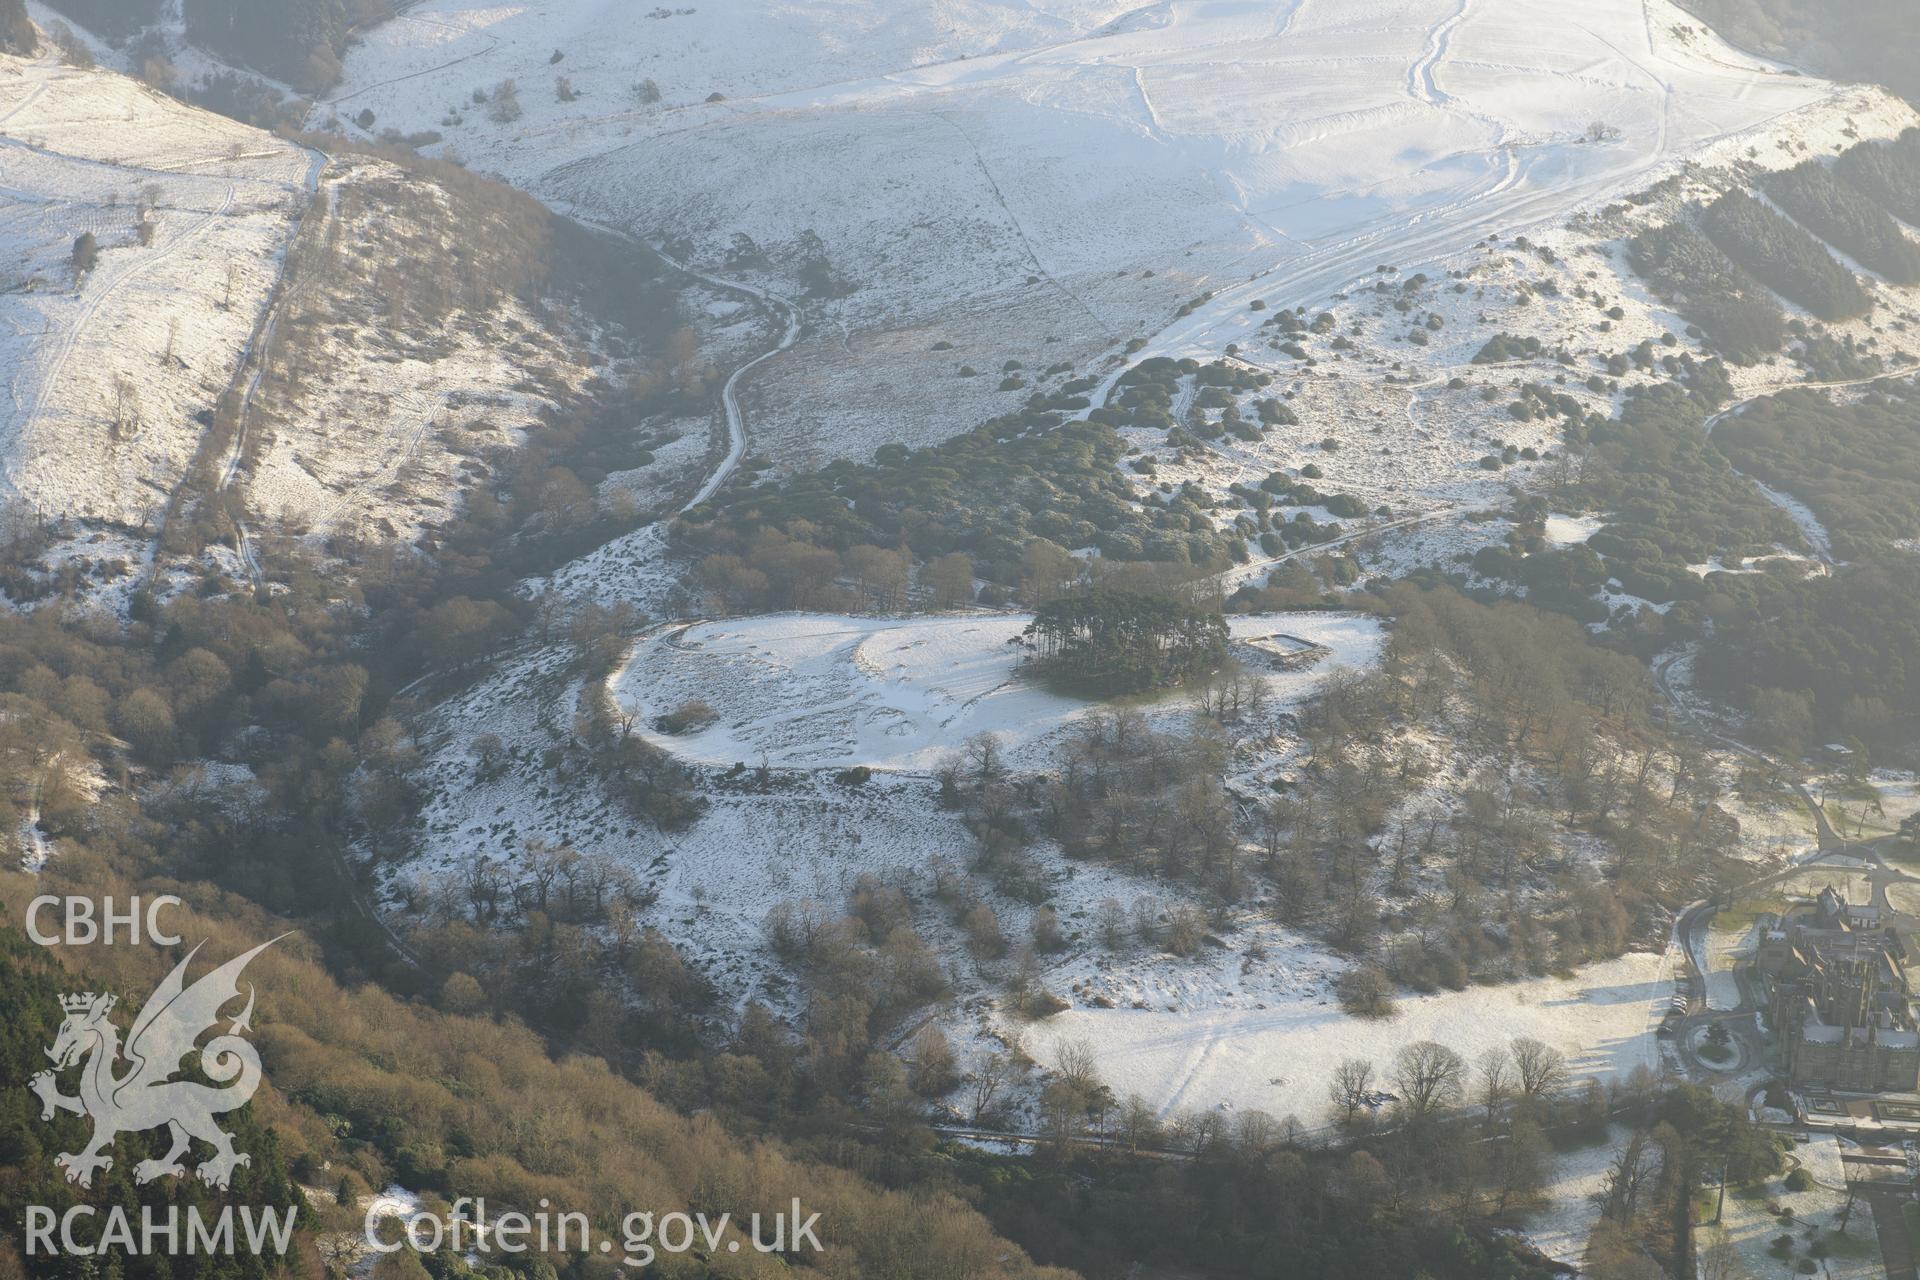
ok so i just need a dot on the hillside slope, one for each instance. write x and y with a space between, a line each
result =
108 367
1044 199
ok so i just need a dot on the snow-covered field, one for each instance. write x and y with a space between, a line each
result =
364 409
817 690
106 373
1239 1046
1250 1022
1047 180
1578 1182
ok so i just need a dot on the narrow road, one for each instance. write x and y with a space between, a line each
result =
730 393
729 462
785 308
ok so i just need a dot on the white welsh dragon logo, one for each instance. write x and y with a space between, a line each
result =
145 1096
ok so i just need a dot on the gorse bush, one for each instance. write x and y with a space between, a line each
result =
1505 346
984 494
1675 501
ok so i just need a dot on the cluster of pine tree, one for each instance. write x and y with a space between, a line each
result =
1887 171
1112 641
1783 257
1846 219
1737 314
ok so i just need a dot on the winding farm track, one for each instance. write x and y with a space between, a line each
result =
1421 81
729 462
734 415
730 392
1514 184
1505 200
784 308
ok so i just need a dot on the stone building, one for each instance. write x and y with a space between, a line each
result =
1838 998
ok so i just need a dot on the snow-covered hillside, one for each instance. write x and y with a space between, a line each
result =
1042 188
953 192
108 368
819 690
386 384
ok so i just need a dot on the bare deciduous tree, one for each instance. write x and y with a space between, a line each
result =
1429 1077
504 102
991 1074
1350 1088
1077 1065
1539 1070
1495 1083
